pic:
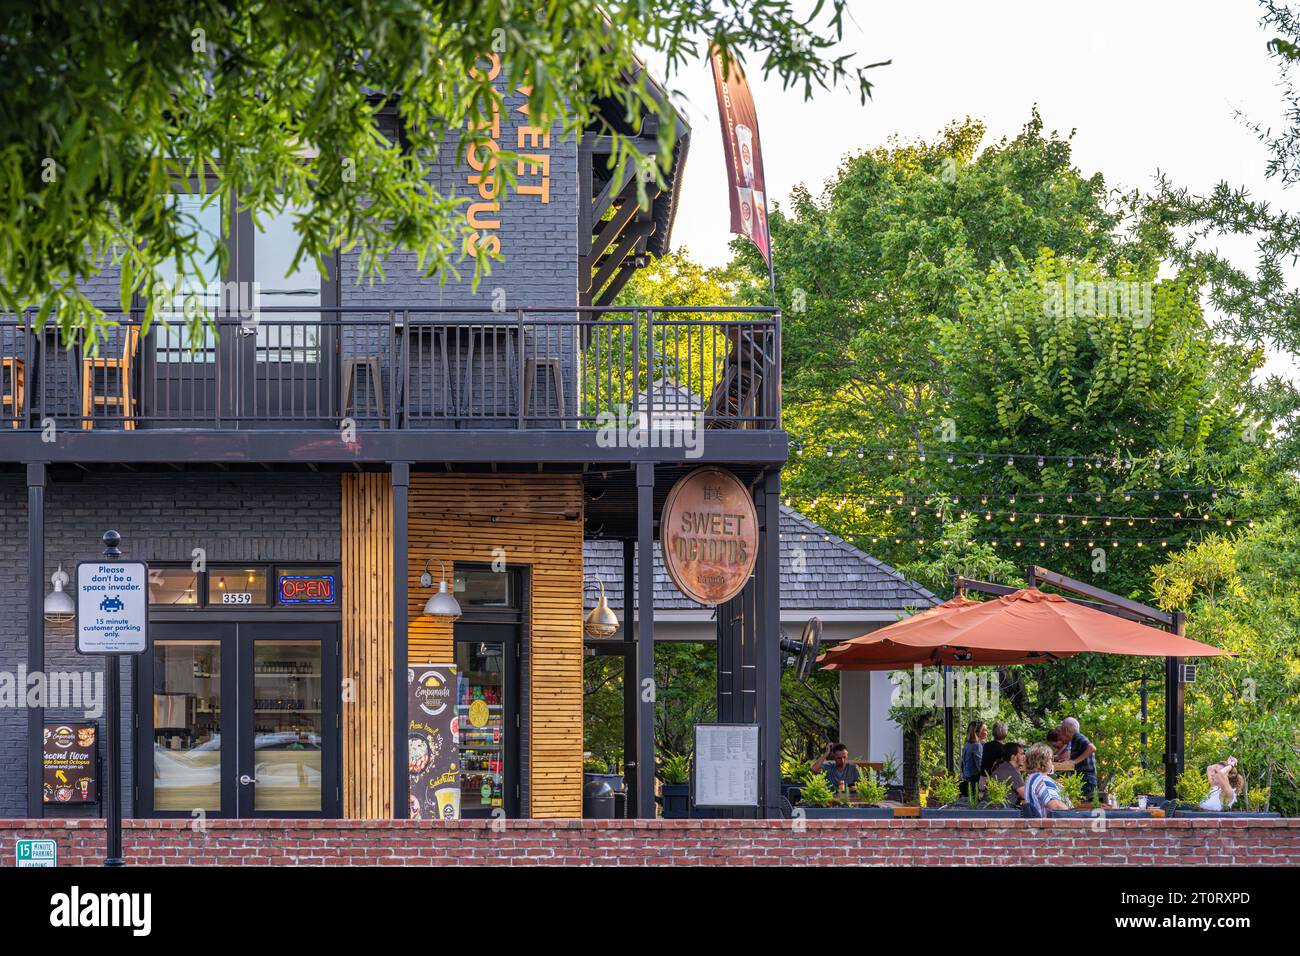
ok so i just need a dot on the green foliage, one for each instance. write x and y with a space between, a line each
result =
997 792
1127 787
1257 798
800 771
275 104
1193 786
817 792
1071 785
869 788
674 768
889 768
946 789
1239 594
594 765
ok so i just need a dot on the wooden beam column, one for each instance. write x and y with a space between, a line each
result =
401 494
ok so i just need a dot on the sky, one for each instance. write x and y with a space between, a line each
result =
1148 85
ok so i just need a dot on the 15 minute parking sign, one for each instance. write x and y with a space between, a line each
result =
112 607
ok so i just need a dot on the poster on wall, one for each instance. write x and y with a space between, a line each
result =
71 765
433 742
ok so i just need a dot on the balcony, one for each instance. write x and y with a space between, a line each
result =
292 368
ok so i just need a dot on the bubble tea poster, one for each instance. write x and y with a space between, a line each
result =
432 742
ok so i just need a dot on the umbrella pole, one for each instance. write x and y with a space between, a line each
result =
947 717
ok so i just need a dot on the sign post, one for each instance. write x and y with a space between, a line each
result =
112 620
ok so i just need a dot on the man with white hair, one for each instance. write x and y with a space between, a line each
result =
1082 758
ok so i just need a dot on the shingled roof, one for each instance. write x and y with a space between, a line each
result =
819 572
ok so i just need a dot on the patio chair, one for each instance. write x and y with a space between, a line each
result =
117 382
13 402
740 386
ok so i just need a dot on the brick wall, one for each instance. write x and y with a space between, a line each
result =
1172 842
162 518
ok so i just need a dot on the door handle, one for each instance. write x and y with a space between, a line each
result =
245 779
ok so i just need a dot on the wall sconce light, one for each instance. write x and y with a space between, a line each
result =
601 621
441 604
59 608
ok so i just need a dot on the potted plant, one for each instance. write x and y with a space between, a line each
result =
997 793
889 776
1071 787
595 770
818 802
1193 787
948 800
674 786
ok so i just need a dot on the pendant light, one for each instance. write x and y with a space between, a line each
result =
442 604
602 621
59 608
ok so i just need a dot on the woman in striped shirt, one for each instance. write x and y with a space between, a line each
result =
1041 792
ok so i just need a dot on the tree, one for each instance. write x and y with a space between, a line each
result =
1239 594
108 104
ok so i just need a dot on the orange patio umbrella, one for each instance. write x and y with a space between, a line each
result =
1023 627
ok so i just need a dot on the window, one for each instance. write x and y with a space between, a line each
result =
236 587
173 587
485 588
192 294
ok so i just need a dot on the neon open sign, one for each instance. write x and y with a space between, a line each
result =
306 589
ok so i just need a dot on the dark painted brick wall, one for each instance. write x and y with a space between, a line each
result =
161 518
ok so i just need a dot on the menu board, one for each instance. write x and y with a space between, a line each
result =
726 765
432 742
71 768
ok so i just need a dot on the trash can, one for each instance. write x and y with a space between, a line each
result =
597 801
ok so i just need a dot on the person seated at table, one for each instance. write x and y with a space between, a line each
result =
840 773
972 756
1080 755
1225 784
1011 771
994 749
1041 792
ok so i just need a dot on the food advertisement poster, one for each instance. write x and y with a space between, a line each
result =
71 767
432 742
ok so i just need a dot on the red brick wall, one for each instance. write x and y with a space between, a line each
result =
629 842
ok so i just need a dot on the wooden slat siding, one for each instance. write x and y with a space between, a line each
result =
367 651
538 520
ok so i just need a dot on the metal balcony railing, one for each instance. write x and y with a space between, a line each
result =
291 367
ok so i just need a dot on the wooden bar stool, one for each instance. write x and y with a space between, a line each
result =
14 402
376 389
549 367
114 397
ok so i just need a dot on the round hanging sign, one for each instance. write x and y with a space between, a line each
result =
709 535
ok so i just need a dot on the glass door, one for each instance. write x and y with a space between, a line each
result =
287 751
287 356
236 720
182 359
487 666
185 752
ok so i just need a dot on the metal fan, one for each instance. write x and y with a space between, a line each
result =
803 652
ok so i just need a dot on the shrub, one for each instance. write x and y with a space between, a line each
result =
1193 786
946 789
1071 785
997 792
817 792
675 768
870 788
